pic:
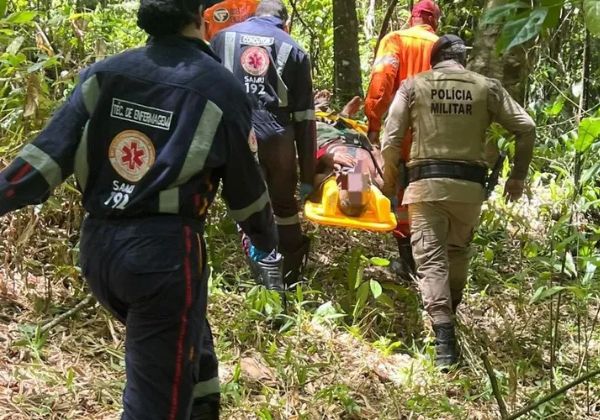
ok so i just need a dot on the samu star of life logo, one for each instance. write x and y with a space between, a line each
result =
255 60
131 154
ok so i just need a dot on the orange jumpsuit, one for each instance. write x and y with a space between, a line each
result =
227 13
401 54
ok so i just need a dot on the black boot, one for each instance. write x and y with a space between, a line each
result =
294 262
446 353
269 272
206 408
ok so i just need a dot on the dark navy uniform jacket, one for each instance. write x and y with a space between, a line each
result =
270 64
150 131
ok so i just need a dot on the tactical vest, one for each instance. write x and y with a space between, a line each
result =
449 116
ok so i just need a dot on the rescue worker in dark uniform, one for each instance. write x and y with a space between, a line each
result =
449 110
150 134
276 73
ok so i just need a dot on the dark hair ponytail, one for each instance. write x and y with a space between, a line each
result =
162 17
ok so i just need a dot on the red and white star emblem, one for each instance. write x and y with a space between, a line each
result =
131 154
255 60
132 157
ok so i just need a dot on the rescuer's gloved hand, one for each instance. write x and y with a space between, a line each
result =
305 191
256 254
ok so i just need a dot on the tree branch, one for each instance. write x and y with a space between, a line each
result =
46 327
384 25
495 388
295 12
553 395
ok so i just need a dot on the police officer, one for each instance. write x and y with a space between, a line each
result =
275 71
449 110
150 134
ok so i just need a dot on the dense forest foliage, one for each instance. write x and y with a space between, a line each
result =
354 342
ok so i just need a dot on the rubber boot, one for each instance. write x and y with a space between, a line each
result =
405 264
446 354
294 262
269 272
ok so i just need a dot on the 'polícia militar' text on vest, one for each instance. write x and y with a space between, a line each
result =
451 108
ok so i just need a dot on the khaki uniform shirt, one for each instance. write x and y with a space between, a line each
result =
449 110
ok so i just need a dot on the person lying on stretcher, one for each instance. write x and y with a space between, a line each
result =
344 151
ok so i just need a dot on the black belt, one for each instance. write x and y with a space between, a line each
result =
454 170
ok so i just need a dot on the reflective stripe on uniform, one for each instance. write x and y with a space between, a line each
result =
90 90
282 57
168 201
204 388
201 143
308 115
389 59
243 214
287 221
282 92
43 163
229 50
82 169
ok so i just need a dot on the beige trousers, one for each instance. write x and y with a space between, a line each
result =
441 234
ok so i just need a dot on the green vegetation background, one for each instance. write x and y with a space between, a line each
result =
355 341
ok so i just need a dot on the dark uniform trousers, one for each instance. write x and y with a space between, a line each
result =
151 274
278 161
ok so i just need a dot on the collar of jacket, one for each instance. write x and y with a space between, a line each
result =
271 20
448 64
184 41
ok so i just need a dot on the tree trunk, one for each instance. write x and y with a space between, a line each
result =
369 25
347 76
511 69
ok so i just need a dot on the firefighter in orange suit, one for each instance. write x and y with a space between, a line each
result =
402 54
226 13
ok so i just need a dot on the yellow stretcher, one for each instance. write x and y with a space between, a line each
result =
332 116
376 216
